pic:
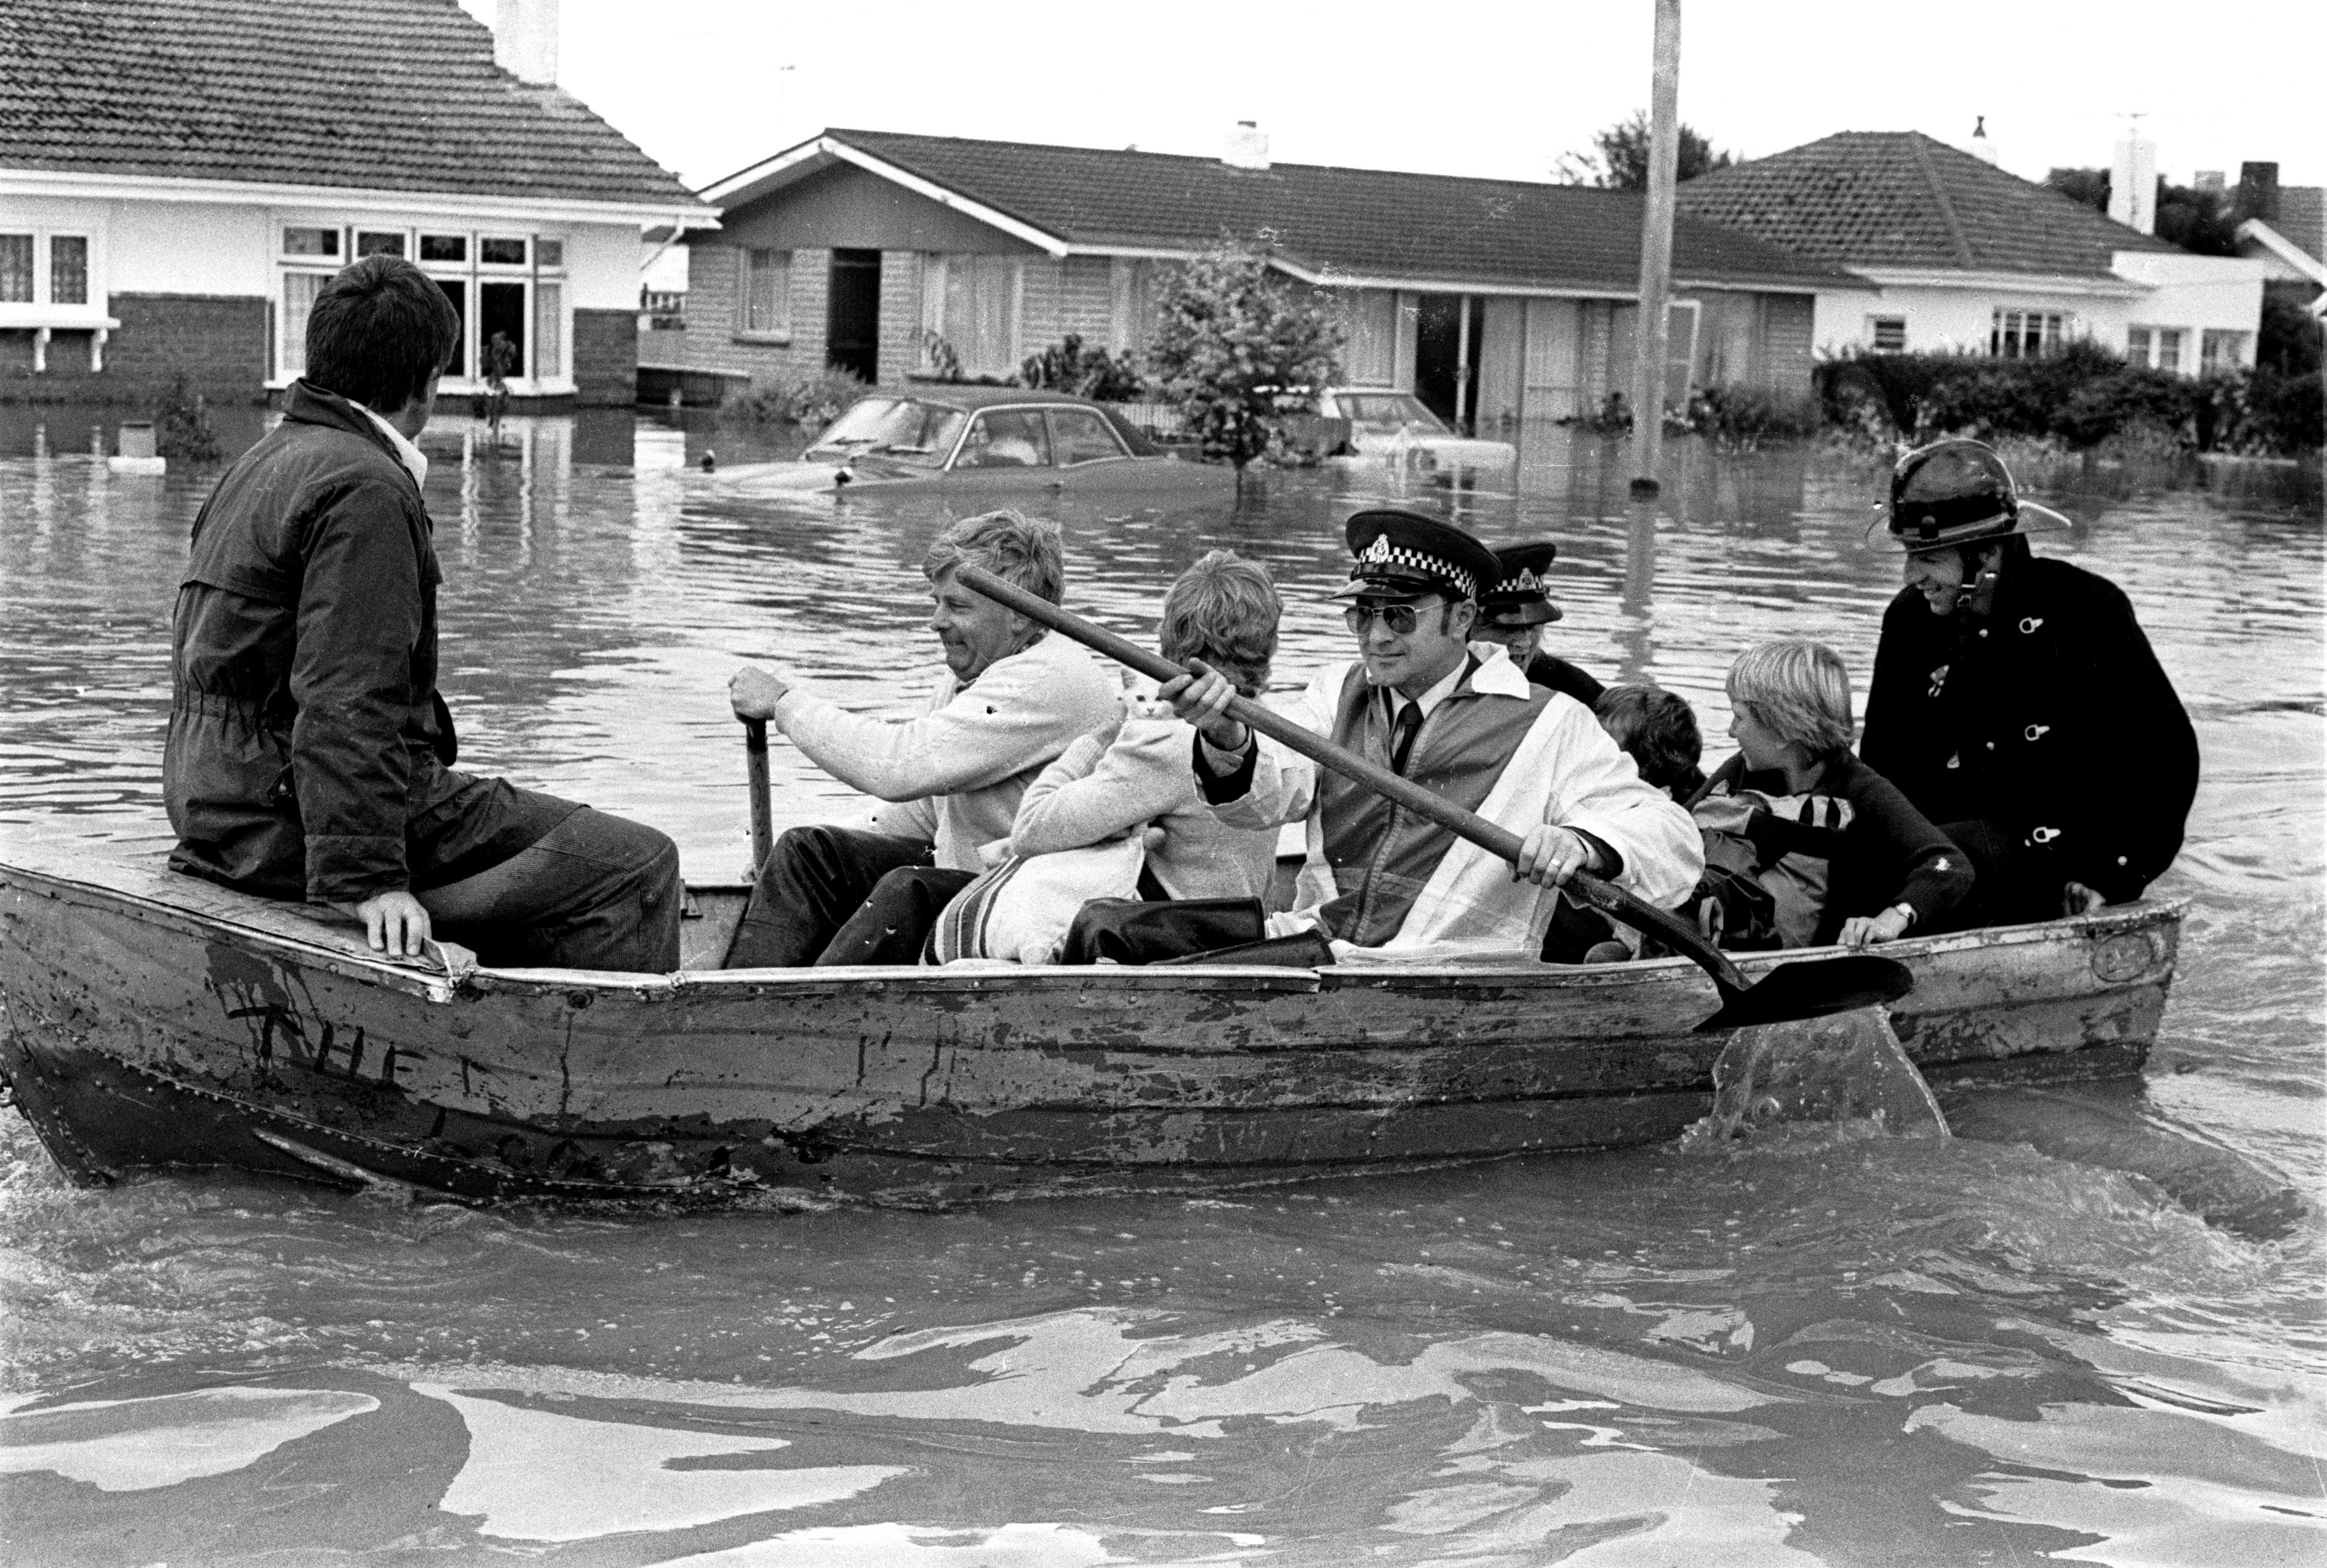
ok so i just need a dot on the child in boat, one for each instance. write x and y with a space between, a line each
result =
1136 774
1658 730
1840 854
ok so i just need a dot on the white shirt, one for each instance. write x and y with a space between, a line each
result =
415 461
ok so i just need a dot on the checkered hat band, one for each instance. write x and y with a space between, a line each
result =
1382 553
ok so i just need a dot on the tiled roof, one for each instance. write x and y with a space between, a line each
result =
1358 222
399 95
2303 217
1902 198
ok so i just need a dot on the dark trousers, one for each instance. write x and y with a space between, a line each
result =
2013 885
835 895
595 892
1134 931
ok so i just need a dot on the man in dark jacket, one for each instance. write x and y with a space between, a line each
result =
1516 610
309 753
2017 703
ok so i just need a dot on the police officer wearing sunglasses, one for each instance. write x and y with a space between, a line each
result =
1462 720
2017 704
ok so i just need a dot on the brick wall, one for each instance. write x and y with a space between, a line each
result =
217 343
712 343
605 359
1786 357
901 315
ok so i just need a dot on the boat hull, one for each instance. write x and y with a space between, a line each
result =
152 1021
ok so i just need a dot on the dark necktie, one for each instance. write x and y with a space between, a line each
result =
1402 731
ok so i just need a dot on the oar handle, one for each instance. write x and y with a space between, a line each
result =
1499 842
755 764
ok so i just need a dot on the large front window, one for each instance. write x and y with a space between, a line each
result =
971 304
507 287
2027 334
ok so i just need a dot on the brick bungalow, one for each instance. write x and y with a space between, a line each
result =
177 179
1959 254
1493 300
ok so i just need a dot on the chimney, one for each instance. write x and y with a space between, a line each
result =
2133 184
1981 148
2258 192
1246 146
525 40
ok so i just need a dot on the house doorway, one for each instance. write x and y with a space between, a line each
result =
1447 330
852 338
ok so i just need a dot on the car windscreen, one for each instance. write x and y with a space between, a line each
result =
902 429
1385 410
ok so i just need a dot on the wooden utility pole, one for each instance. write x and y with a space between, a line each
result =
1650 345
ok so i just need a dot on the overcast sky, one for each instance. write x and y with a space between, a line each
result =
1486 88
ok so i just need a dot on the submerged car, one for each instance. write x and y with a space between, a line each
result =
1389 423
981 440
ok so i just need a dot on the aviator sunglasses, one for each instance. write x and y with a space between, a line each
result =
1399 617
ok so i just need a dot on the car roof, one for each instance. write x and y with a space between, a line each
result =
962 394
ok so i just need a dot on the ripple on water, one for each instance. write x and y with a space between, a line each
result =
1824 1349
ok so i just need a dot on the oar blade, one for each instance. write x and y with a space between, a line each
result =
1814 989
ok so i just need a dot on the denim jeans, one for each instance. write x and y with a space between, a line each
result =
597 891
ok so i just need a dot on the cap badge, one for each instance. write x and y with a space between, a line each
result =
1379 550
1527 581
2028 623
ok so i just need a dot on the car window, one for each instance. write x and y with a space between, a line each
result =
1387 410
903 430
1083 436
1005 438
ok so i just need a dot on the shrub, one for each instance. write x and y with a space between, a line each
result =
1069 367
815 402
2081 396
183 432
1238 347
1745 416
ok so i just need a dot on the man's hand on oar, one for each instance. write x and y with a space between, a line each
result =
1553 855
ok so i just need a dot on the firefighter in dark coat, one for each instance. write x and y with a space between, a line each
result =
2017 703
309 755
1516 609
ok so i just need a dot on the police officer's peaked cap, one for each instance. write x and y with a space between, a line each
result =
1958 492
1521 595
1404 555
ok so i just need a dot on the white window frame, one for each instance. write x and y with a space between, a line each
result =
2053 328
2170 343
779 330
2220 349
539 380
2144 353
41 313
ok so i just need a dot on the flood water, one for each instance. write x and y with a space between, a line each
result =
2023 1345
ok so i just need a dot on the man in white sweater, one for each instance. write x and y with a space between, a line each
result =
951 778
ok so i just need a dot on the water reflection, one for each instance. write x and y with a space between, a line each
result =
1839 1350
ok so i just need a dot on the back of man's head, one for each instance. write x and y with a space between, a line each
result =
380 332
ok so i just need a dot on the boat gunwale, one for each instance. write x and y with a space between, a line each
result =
1373 974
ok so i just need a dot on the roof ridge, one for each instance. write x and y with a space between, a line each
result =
1201 160
1915 141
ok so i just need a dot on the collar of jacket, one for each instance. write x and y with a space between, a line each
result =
311 404
1495 676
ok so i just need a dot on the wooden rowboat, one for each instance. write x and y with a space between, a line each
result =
151 1020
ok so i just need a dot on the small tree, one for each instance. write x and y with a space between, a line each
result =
1619 160
1238 347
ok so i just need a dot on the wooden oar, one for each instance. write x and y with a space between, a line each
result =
1807 988
755 763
